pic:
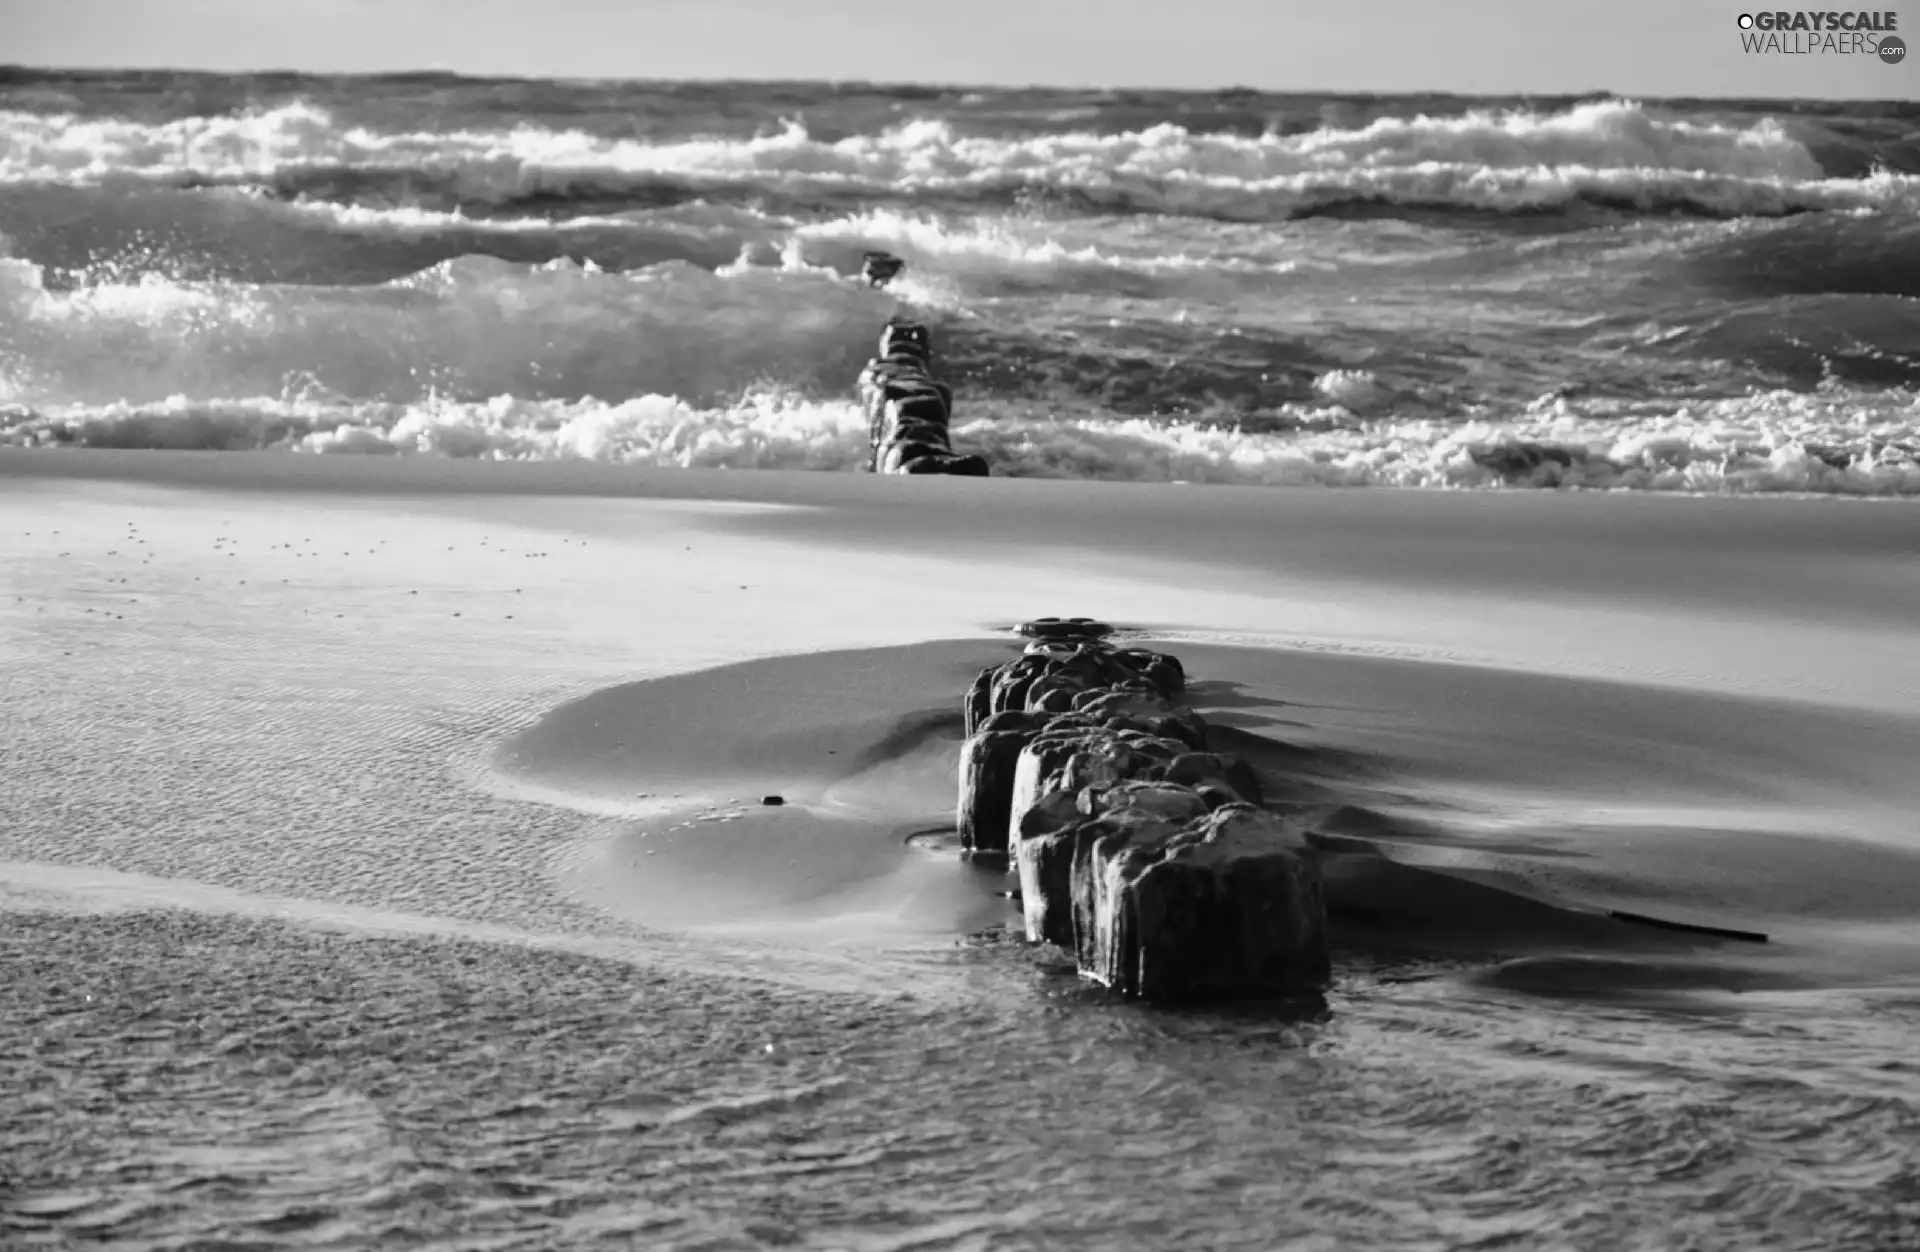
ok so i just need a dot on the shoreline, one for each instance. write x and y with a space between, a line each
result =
437 472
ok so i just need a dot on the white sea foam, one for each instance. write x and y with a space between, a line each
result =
415 220
1082 254
696 220
475 326
1356 390
1615 150
1838 441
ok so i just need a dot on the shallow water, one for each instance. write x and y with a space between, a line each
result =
297 1089
1229 287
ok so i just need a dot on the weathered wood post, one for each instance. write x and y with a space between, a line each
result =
909 410
1228 907
1137 848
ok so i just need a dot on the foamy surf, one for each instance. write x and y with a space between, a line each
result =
1243 289
1837 443
475 325
1612 152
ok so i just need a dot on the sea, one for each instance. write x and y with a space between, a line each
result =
1225 287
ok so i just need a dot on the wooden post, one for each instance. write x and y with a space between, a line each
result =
1229 907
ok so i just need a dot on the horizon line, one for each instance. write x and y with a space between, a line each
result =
1596 93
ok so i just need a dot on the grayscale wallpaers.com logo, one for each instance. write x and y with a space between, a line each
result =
1842 34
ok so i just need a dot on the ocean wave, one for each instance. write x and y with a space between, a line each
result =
1833 254
1862 339
86 236
1611 154
1837 441
999 241
468 328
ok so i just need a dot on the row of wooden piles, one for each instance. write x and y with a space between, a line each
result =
908 409
1139 849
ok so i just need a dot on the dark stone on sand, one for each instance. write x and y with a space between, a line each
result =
773 800
1229 907
880 268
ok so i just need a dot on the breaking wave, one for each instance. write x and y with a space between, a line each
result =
1609 154
1711 296
1840 441
471 327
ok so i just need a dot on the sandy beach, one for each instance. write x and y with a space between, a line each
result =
509 727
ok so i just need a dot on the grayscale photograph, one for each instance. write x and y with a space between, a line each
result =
1390 722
